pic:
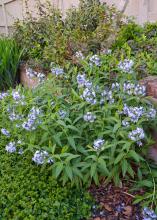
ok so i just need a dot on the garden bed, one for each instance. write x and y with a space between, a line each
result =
88 119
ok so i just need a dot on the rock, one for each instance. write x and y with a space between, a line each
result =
97 218
128 211
107 207
151 85
25 80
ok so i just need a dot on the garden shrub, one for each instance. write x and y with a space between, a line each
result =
9 61
52 38
30 192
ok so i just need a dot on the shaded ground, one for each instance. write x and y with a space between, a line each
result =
115 203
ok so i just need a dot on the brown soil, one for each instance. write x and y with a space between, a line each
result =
115 203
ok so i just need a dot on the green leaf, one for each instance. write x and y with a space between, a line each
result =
116 127
103 166
59 169
72 142
57 139
93 169
77 172
130 171
71 157
134 155
73 128
119 158
124 165
69 172
146 183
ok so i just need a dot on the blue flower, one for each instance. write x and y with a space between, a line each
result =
40 157
57 71
95 59
149 214
137 135
126 65
5 132
98 143
89 117
11 147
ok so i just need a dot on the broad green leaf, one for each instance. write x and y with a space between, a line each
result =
134 155
69 172
93 169
59 169
119 158
124 165
72 142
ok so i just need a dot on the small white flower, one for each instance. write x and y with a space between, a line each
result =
95 59
20 151
5 132
79 55
11 147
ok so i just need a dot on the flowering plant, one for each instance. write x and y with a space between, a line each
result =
82 126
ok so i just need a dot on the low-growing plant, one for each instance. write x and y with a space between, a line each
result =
9 61
30 192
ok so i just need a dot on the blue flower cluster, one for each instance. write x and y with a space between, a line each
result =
134 113
11 147
89 96
41 156
5 132
149 214
57 71
83 82
62 113
137 135
107 95
32 119
95 60
134 89
18 99
98 144
33 74
89 117
3 95
126 65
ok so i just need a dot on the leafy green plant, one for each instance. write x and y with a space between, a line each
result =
30 192
9 61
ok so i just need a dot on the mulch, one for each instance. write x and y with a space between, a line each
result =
114 203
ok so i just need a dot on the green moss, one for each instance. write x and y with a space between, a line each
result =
30 192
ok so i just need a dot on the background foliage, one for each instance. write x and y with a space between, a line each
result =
9 61
53 38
